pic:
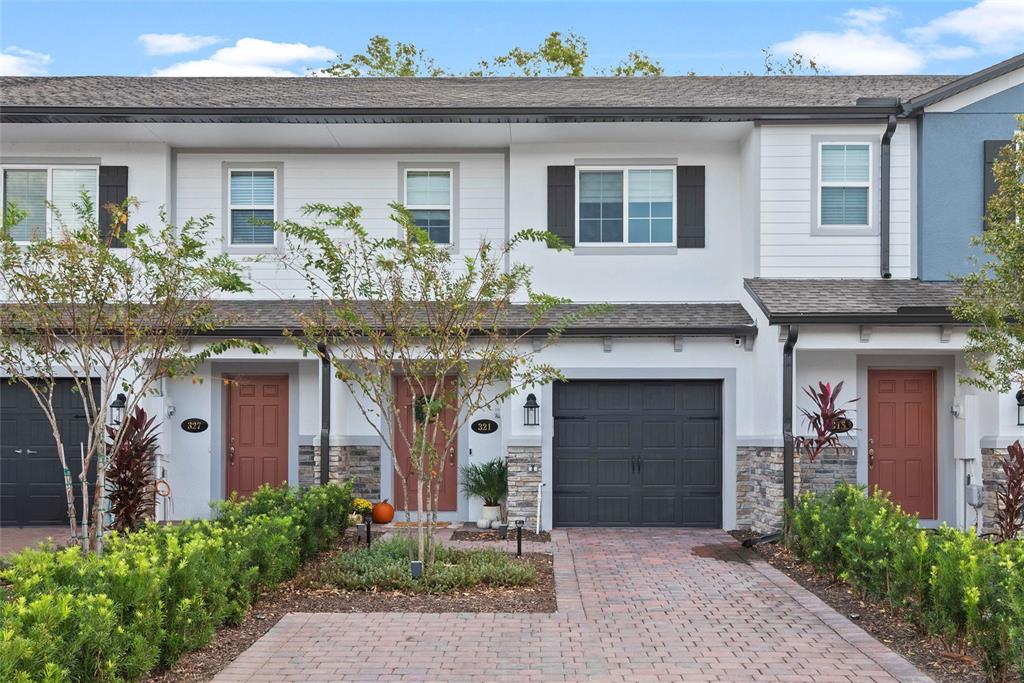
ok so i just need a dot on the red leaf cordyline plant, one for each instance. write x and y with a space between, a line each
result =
826 422
1010 497
131 473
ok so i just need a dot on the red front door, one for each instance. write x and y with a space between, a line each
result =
257 433
446 467
901 438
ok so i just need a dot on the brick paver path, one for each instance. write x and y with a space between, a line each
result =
16 538
633 605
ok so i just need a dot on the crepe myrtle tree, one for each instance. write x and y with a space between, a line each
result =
403 314
992 300
117 304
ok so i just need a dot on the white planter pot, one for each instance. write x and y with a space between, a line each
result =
488 514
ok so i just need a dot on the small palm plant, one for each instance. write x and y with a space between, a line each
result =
487 480
131 474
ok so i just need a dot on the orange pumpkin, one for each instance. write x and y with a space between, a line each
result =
383 512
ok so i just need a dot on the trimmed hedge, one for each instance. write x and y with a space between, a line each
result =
158 592
965 589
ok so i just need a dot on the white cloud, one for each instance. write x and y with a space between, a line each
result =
253 57
868 17
993 25
865 46
854 51
17 61
174 43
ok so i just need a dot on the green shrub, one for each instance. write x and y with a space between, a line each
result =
157 592
385 566
964 589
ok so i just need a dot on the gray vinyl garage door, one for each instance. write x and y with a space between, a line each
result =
638 453
31 479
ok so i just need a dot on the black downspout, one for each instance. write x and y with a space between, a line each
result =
325 414
886 154
788 447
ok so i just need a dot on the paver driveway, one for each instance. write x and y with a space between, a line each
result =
633 605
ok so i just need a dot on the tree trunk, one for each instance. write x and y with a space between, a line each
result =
84 479
419 518
69 490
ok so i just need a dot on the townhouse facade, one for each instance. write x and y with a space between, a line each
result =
753 235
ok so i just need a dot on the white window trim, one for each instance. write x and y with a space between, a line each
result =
49 168
625 208
434 207
270 246
869 184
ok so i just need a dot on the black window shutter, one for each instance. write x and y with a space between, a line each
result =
113 190
562 202
690 209
992 149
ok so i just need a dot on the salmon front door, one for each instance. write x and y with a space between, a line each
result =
409 404
257 433
901 438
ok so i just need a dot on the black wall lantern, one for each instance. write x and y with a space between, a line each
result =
531 411
1020 407
117 409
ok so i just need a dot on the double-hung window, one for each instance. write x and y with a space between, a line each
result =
252 204
47 197
428 197
844 185
626 206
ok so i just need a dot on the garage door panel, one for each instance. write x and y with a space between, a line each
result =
639 453
613 397
658 434
658 510
613 434
701 510
613 509
31 477
613 471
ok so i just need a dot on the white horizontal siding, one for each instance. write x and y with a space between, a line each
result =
788 247
366 180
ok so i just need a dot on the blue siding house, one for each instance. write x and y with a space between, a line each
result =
961 127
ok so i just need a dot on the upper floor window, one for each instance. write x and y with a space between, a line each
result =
47 196
253 206
626 206
428 197
844 185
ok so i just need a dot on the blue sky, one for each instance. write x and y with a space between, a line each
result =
222 37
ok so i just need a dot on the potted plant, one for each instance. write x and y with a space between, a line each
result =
489 481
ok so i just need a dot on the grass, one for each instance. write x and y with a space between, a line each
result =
385 566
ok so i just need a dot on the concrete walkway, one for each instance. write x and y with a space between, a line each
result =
633 605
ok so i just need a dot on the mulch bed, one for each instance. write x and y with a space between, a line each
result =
492 535
305 593
876 617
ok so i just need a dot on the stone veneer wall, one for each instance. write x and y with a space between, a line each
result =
993 478
759 482
358 463
522 484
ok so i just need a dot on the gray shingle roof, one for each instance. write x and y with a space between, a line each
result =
640 318
491 94
853 300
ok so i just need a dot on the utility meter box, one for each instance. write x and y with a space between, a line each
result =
975 495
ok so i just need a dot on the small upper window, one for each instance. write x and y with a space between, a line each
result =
627 206
47 196
428 197
844 178
252 204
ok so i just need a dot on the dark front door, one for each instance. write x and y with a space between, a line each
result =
902 458
32 491
632 453
257 431
447 466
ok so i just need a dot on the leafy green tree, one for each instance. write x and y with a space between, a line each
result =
993 296
403 315
384 58
120 305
